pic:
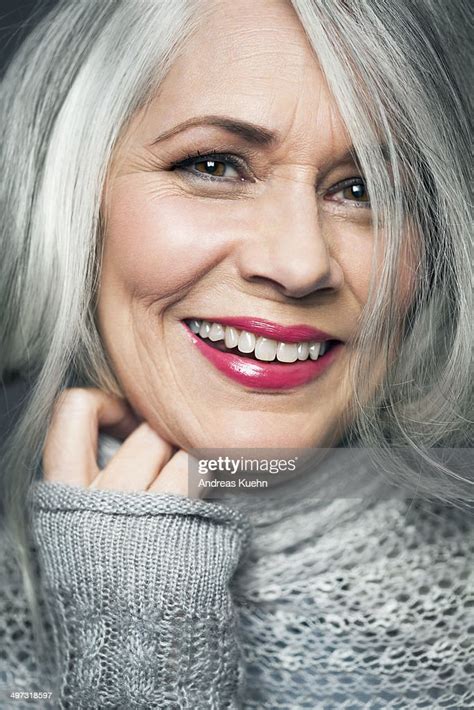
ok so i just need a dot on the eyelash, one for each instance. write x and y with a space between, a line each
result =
239 165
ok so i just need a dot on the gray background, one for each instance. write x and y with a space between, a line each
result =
17 18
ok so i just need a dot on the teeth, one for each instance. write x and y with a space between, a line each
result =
231 337
216 332
246 342
204 329
314 350
195 325
302 351
287 352
265 349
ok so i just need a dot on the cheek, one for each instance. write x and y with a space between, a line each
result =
352 248
157 244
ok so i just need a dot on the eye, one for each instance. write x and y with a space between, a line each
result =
352 190
217 168
214 166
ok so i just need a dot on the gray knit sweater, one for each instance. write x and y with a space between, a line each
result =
160 601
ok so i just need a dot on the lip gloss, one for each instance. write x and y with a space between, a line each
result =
264 375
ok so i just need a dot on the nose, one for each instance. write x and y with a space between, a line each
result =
286 246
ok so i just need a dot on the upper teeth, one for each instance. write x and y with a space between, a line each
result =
264 348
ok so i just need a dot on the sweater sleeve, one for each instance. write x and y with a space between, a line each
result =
136 587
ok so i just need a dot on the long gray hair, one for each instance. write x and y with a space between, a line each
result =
397 71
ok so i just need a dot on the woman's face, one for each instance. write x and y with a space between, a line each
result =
276 227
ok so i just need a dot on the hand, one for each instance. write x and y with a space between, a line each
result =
144 462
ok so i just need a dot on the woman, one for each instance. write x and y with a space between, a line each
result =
238 225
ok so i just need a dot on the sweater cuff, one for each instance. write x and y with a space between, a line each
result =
136 549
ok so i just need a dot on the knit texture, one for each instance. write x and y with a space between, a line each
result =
297 602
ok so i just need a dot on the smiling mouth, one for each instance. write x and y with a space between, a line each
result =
251 346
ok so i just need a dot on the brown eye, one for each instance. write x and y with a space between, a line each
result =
216 168
353 190
211 167
357 192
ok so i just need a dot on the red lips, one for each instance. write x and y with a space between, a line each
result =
261 375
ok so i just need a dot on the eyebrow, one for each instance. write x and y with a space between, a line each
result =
250 132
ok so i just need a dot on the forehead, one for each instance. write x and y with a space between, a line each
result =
250 60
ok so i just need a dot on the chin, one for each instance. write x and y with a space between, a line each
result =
252 439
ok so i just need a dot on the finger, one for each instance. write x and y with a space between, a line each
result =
175 477
137 463
70 450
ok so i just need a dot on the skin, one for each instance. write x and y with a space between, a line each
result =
283 244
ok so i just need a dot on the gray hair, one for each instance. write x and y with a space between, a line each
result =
395 70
